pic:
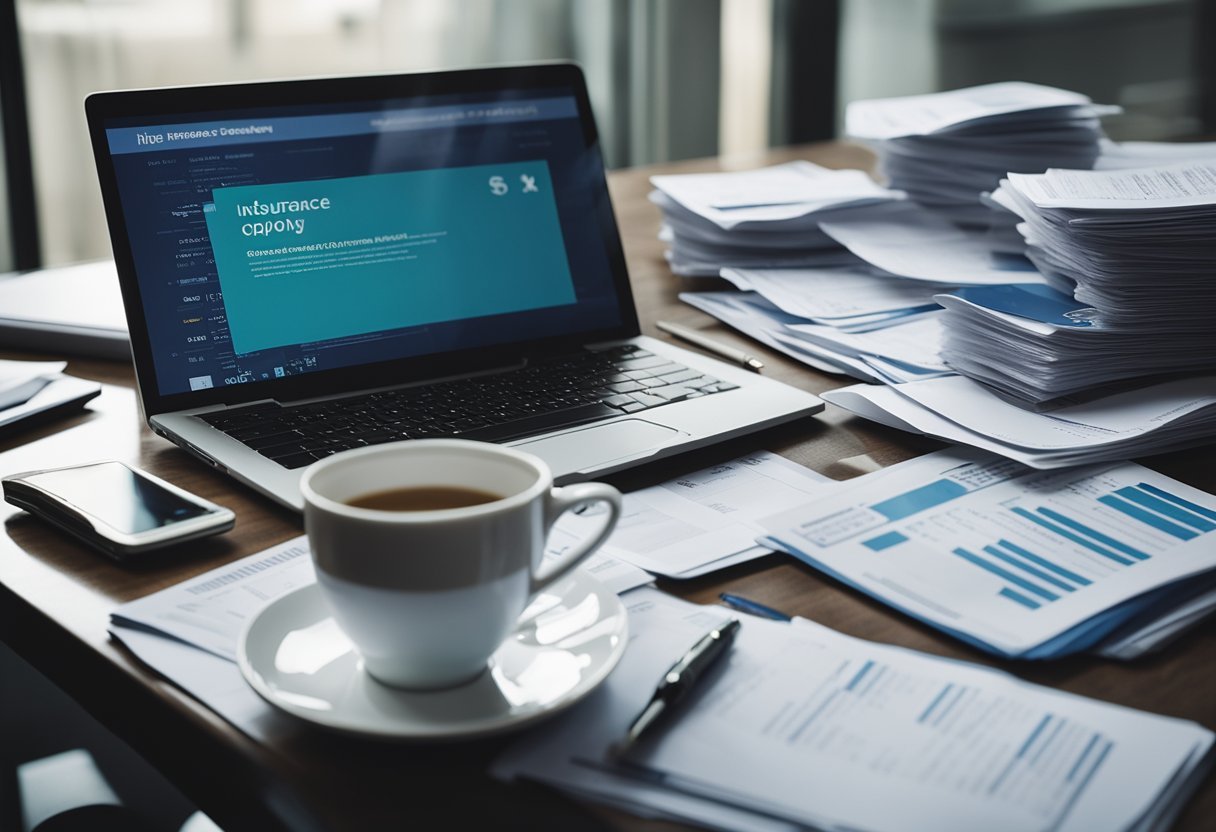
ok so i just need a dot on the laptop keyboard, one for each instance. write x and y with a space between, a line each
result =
564 392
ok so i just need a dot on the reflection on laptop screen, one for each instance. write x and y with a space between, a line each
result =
276 241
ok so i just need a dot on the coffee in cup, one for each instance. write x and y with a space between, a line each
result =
423 498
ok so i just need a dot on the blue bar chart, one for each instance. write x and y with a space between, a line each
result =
1027 563
1033 579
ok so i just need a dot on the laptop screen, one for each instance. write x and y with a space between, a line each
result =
274 242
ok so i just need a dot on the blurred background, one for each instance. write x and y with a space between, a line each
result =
670 79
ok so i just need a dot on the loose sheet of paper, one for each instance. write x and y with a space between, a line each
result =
1001 555
694 523
1114 418
210 611
759 319
770 194
918 246
832 294
916 343
1169 186
1093 432
913 115
894 739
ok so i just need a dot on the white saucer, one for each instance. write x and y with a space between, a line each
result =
569 639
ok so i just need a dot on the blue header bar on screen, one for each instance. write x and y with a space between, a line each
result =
163 137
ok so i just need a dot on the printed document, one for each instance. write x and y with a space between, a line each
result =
709 519
1169 186
210 611
920 115
1120 426
188 633
894 348
916 343
1114 418
840 733
918 246
833 295
754 316
770 194
1021 562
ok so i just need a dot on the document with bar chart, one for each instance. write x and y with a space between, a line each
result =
846 734
1025 563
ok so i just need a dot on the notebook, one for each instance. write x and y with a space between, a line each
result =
319 264
74 309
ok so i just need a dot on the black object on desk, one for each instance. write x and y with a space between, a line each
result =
680 680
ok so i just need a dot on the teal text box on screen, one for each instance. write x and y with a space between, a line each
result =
301 262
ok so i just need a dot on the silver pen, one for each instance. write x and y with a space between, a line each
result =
679 681
730 353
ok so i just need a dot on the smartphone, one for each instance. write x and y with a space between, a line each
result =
122 511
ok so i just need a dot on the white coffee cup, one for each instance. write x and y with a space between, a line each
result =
428 596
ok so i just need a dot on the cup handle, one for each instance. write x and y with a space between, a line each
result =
557 503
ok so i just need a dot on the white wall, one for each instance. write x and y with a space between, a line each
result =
887 48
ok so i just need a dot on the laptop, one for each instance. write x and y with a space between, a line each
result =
312 265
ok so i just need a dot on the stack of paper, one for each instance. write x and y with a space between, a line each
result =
805 727
851 300
1155 419
945 149
894 348
1038 346
914 244
1137 245
877 321
1023 405
765 218
1025 564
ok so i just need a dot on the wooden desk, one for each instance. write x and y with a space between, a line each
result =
56 596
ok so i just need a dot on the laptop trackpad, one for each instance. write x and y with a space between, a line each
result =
599 445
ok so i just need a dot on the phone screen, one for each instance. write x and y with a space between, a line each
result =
119 497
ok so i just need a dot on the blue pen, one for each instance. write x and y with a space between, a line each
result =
753 607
